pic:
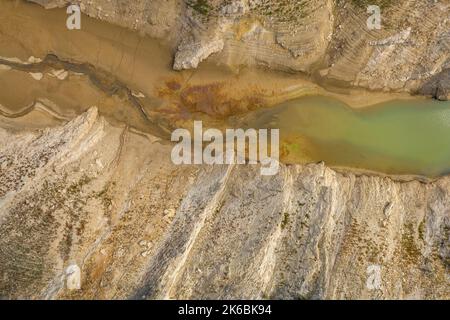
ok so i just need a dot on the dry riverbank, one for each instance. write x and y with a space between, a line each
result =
93 188
109 201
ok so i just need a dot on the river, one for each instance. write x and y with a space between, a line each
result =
129 78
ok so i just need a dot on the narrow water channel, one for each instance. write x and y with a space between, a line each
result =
129 78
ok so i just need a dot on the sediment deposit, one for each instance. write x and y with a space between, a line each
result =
91 205
324 38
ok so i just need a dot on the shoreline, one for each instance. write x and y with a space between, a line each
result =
216 92
52 119
274 86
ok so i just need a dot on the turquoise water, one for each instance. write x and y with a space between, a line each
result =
397 137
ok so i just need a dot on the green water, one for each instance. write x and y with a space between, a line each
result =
397 137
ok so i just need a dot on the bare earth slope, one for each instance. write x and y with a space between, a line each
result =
109 200
86 191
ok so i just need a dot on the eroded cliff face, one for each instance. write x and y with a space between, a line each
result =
95 208
109 200
327 39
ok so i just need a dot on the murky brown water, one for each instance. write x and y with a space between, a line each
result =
130 79
140 63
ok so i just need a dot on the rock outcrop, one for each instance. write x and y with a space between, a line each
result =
107 204
94 208
327 39
438 86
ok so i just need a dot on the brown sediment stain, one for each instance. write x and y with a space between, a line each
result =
173 85
211 99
